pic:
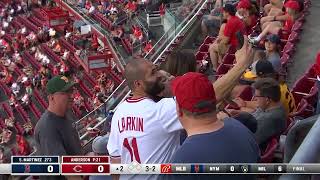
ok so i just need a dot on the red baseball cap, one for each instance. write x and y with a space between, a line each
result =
292 5
194 92
245 4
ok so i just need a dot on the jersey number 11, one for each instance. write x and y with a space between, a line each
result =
133 149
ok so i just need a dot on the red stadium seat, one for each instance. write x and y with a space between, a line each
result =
311 72
7 109
27 23
304 110
2 124
229 59
310 97
289 48
18 128
223 69
88 106
204 48
297 26
76 110
303 85
31 59
35 21
209 40
51 54
268 154
232 50
5 88
247 93
35 110
127 45
201 56
88 78
85 89
67 45
22 113
285 58
43 103
293 37
290 123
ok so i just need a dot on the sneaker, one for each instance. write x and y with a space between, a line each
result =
253 40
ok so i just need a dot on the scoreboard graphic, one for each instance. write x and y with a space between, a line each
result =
100 165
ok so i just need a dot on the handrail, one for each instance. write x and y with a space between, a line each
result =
182 25
94 25
112 94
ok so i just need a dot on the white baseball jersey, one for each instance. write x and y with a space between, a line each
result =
144 131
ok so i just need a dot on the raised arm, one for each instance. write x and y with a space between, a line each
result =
224 85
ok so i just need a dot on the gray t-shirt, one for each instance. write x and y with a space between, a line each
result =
269 123
275 60
56 135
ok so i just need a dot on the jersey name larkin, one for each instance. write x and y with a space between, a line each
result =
130 124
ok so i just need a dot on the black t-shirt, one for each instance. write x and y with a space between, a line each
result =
56 136
233 143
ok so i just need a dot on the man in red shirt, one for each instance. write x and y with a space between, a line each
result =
227 35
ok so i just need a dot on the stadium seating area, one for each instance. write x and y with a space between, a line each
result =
117 19
31 53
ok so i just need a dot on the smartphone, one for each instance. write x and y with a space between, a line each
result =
225 111
240 39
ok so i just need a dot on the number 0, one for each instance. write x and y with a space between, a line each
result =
232 168
50 168
100 169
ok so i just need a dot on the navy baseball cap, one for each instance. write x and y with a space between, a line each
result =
273 38
230 8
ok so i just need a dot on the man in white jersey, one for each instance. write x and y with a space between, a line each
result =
148 132
143 130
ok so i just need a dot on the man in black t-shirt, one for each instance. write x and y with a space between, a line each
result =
209 140
54 132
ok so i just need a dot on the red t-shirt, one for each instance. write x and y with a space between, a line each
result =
233 25
131 6
288 24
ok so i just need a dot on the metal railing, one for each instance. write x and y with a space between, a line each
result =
98 26
124 93
172 32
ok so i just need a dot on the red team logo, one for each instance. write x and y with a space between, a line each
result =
26 168
196 168
166 168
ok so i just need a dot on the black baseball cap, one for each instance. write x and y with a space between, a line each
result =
230 8
264 67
